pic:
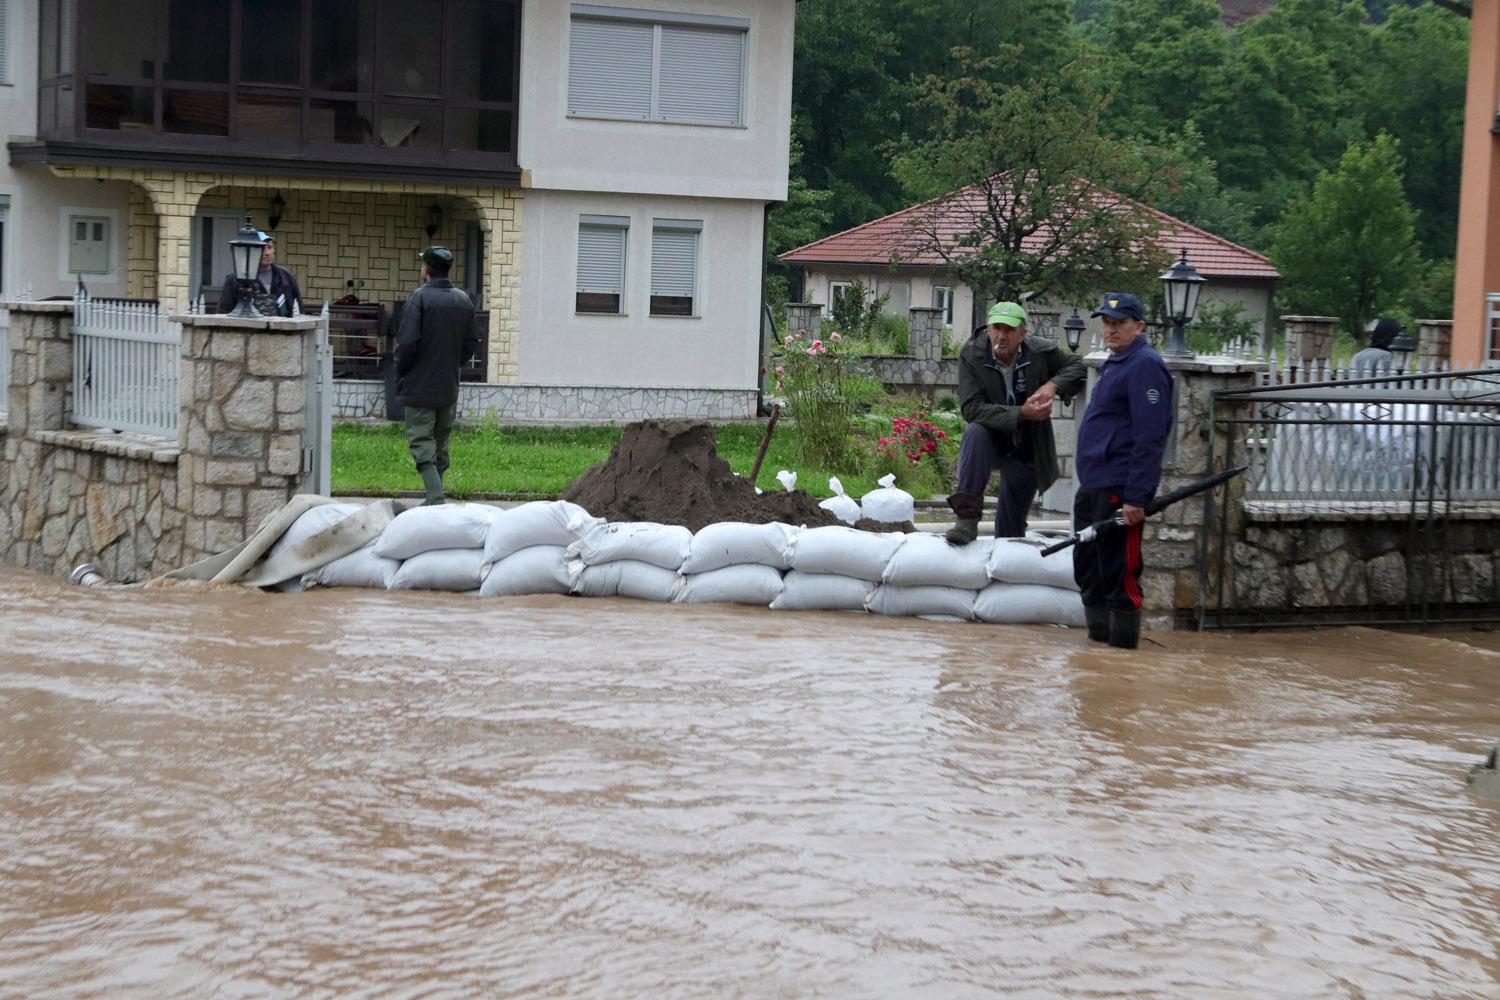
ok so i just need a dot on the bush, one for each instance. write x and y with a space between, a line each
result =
857 312
824 389
1216 327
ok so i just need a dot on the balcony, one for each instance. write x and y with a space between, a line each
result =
402 90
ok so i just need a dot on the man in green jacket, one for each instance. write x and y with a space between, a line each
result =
1006 384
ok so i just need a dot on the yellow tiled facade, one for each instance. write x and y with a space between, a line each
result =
332 232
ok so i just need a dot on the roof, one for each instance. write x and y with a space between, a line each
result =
875 242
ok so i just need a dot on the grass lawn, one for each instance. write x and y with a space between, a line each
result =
541 461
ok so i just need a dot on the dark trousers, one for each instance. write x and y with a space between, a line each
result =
427 432
977 458
1108 569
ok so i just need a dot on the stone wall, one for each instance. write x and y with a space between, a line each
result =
561 404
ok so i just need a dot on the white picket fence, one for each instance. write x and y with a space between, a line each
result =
125 367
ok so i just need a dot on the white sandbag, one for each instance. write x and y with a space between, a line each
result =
888 599
536 569
1026 604
1020 560
735 543
541 522
926 560
788 479
747 583
624 578
889 504
441 526
441 569
360 568
310 523
664 545
822 592
845 551
841 505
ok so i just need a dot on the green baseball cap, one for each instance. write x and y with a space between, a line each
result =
1009 313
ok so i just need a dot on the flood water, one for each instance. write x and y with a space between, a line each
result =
210 792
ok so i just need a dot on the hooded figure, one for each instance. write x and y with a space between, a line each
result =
1377 359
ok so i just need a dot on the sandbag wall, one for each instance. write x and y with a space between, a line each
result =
559 548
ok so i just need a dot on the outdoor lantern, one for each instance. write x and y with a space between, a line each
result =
434 219
1401 350
1182 283
245 250
1073 328
278 206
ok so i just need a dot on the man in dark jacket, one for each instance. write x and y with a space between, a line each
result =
276 292
436 337
1006 384
1120 445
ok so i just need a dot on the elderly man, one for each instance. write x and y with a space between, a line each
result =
1120 445
1006 384
276 291
437 335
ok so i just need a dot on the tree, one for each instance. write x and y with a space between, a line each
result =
1348 249
799 220
1027 193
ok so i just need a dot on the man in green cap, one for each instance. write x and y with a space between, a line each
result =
1006 384
437 336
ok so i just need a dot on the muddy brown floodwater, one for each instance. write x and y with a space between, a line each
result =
210 792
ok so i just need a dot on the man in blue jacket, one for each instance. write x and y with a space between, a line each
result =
1119 453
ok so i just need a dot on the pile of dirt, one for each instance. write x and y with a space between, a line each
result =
669 472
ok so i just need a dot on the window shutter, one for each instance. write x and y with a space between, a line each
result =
701 76
5 40
601 259
609 68
674 263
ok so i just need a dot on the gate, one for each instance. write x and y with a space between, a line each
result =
317 453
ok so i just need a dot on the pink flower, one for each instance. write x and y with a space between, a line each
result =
812 352
818 345
780 370
835 336
797 335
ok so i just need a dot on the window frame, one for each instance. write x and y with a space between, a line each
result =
695 300
601 223
942 298
834 287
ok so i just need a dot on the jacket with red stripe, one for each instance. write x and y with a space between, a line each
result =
1124 431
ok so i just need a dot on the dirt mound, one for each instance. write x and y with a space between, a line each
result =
668 471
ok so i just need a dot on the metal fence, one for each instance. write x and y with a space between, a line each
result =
125 367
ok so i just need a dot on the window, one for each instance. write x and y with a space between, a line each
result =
942 298
88 244
674 266
4 41
660 67
836 292
601 263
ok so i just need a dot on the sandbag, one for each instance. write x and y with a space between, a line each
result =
929 561
536 569
1020 560
1027 604
889 504
442 526
735 543
841 505
664 545
889 599
441 569
746 583
308 524
845 551
541 522
361 568
821 592
623 578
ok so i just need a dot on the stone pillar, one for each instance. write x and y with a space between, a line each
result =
1309 339
1434 342
924 337
806 316
40 393
141 246
175 198
500 218
243 428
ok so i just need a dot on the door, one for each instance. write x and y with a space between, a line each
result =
211 262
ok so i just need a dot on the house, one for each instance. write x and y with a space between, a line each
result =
1237 276
1476 285
601 170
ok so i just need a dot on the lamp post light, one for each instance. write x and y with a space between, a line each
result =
1401 350
1073 327
245 249
1182 283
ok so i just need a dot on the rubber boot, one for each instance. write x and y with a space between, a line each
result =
1124 629
1097 618
432 484
966 510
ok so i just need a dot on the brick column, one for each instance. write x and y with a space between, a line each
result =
1434 341
1309 339
175 198
924 336
500 217
805 316
40 394
244 395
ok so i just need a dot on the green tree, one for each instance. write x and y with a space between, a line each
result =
1348 249
1037 181
799 220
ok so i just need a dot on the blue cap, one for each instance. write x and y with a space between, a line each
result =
265 237
1120 305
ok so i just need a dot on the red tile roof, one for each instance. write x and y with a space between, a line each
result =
875 242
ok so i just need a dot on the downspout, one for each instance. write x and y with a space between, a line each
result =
765 310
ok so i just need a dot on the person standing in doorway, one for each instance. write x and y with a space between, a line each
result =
1121 442
436 337
1006 383
276 291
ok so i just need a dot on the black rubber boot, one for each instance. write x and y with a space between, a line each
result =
432 484
1097 618
966 509
1125 629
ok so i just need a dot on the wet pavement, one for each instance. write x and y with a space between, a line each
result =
206 791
